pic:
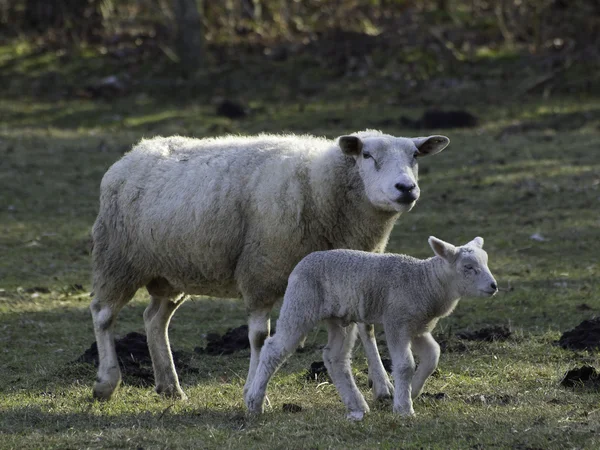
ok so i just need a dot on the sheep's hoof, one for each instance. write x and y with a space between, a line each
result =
103 391
355 416
172 392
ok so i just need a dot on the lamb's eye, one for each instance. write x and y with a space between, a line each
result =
367 155
468 267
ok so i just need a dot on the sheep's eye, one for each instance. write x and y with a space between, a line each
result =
415 155
469 267
367 155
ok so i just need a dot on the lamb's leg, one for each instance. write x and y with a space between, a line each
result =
105 306
382 387
336 356
428 352
274 353
403 367
259 325
157 316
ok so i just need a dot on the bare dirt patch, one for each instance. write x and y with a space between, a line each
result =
586 376
487 334
135 361
585 336
234 339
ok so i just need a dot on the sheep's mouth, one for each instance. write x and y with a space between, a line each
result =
407 199
490 293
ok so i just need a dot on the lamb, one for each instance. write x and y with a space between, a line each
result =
407 295
231 217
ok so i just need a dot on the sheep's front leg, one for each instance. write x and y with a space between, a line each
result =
382 388
403 367
259 325
428 352
336 356
274 353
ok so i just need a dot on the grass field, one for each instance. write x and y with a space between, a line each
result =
501 181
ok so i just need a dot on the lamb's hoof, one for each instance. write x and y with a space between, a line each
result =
254 405
383 391
355 416
172 392
405 412
383 398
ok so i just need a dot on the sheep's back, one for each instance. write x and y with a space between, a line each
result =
187 208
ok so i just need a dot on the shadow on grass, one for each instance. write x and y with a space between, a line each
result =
23 419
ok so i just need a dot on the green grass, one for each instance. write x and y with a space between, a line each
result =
504 186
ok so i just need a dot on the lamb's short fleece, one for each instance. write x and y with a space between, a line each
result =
407 295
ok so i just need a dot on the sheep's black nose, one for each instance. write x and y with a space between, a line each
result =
494 286
404 188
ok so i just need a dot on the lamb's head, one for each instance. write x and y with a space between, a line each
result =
468 264
388 166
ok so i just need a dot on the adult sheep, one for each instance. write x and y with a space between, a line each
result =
231 217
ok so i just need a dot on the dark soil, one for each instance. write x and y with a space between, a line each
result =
585 336
487 334
583 376
291 408
387 365
449 344
134 360
317 372
234 339
435 396
435 118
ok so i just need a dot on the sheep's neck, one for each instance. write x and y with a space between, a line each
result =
348 219
439 286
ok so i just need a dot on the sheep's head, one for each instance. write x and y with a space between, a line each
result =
469 265
388 166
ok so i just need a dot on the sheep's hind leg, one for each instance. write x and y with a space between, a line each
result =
378 378
336 357
398 341
259 325
428 351
108 301
164 302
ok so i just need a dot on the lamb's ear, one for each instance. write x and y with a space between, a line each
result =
477 242
350 145
430 145
442 249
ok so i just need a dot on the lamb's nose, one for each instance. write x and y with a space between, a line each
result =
404 188
494 286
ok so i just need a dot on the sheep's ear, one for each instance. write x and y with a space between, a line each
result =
430 145
442 249
350 145
477 242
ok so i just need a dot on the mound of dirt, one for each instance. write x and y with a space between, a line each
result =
291 408
487 334
585 336
233 340
317 372
582 376
435 118
449 344
135 361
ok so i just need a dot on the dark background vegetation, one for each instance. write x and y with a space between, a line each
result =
177 48
81 81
